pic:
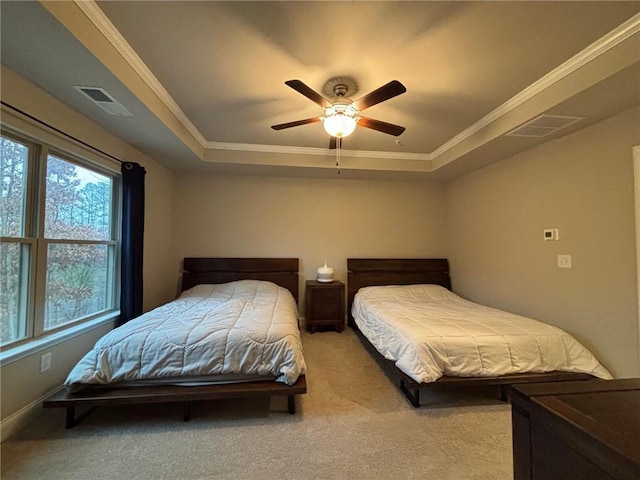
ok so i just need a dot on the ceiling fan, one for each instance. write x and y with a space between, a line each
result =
342 114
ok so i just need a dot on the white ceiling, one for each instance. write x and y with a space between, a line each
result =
205 80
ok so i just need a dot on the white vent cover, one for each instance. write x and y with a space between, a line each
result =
100 97
543 125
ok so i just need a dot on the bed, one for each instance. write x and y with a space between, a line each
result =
233 332
453 342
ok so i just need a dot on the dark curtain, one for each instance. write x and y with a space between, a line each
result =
132 241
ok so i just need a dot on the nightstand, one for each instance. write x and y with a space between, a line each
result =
324 304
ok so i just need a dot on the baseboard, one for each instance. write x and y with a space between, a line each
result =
23 417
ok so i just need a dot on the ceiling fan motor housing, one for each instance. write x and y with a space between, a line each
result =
340 90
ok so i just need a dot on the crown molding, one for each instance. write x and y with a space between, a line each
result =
289 150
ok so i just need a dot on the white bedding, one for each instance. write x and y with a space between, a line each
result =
428 331
247 327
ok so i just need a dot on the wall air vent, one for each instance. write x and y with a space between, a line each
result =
100 97
543 125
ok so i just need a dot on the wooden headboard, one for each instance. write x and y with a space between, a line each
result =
368 272
281 271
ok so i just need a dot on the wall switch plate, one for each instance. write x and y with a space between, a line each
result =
564 261
45 362
550 234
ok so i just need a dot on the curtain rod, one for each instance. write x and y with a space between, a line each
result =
60 131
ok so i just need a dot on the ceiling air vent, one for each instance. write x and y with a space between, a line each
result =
543 125
100 97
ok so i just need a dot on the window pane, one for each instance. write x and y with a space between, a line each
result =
78 282
14 174
78 202
14 278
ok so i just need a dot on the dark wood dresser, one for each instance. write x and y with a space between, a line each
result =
324 305
586 430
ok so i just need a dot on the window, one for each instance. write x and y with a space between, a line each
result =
15 248
59 249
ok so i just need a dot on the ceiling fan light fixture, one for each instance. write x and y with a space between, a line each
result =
340 120
339 125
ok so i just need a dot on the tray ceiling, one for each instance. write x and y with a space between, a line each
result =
204 81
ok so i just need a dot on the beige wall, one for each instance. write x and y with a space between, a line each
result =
22 384
581 184
158 268
315 220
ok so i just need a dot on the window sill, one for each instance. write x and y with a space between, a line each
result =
13 354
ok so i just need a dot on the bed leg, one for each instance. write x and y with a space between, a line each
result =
504 393
186 415
291 404
414 397
70 420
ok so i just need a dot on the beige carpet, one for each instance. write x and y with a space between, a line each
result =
352 424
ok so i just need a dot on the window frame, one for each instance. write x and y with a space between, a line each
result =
43 143
28 236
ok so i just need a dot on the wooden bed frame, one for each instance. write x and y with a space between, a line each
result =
196 271
364 272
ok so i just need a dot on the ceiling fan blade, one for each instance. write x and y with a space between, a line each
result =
297 123
308 92
383 127
332 143
385 92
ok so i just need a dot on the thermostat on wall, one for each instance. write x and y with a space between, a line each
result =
550 234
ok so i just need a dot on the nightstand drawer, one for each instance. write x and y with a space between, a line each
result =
325 303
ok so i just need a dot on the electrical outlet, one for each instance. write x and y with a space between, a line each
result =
564 261
45 362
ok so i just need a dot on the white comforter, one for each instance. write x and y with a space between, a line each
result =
244 327
429 332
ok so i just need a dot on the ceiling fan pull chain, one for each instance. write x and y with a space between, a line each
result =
338 148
